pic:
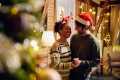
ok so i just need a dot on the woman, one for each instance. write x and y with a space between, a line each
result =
60 51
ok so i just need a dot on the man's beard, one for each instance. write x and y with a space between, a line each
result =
82 33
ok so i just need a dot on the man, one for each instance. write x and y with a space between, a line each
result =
84 48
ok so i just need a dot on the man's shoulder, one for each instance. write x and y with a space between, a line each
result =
94 40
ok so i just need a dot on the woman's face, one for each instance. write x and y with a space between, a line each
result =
66 31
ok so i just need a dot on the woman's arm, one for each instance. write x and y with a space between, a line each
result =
56 62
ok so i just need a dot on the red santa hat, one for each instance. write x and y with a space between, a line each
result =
85 18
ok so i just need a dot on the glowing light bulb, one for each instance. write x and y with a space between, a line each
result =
94 12
108 14
90 10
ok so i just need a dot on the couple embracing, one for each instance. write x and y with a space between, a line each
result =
74 61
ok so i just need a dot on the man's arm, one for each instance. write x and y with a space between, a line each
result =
95 54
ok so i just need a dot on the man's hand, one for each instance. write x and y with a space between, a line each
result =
76 62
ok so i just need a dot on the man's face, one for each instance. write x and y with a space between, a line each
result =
80 29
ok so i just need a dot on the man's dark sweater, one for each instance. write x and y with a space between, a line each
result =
85 48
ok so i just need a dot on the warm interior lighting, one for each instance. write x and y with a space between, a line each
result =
48 38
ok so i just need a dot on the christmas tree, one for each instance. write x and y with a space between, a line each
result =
19 26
